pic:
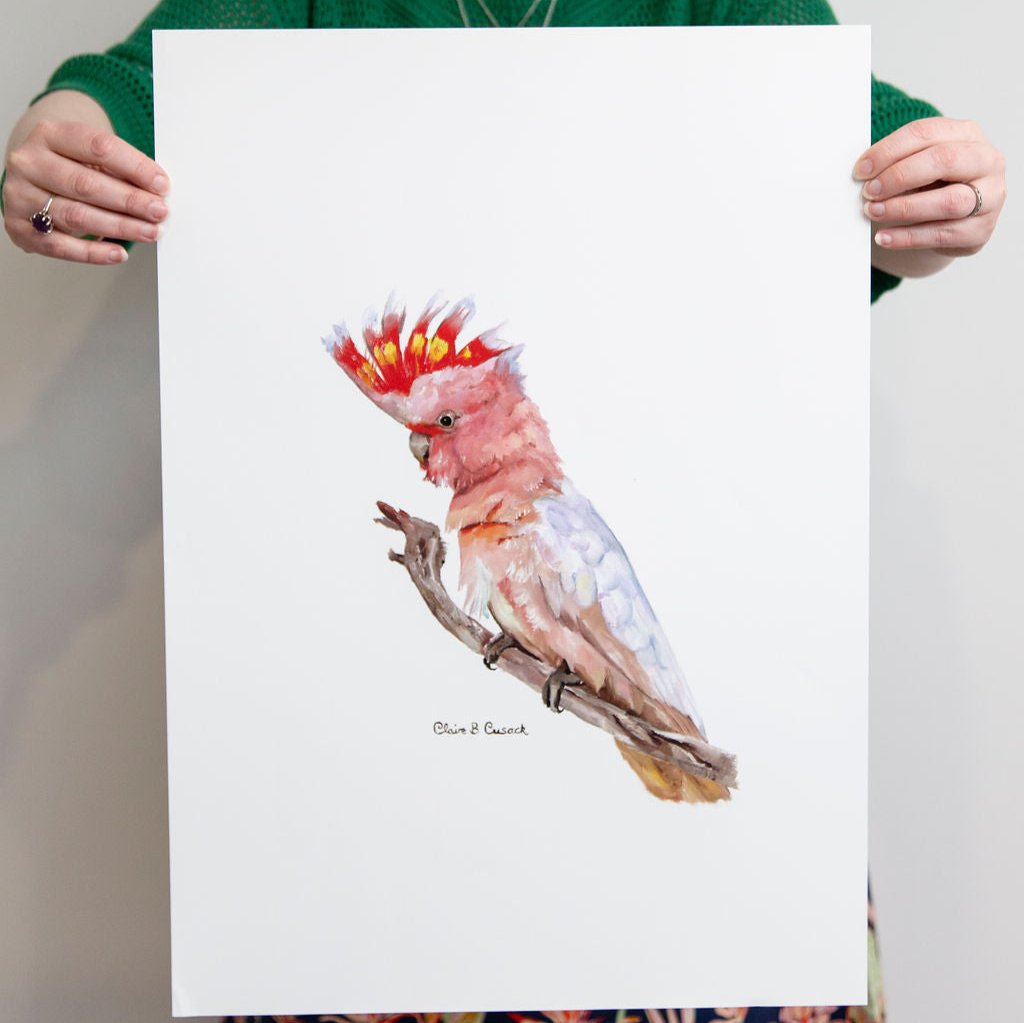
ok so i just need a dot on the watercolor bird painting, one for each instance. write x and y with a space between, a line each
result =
534 552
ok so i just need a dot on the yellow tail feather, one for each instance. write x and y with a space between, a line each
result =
666 781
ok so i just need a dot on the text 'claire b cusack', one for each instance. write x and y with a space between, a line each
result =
475 728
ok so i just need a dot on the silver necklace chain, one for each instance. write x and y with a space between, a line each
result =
489 14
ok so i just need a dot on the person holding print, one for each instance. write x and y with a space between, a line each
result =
81 184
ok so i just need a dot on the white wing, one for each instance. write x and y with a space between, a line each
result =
591 566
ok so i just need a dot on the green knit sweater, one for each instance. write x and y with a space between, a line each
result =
121 80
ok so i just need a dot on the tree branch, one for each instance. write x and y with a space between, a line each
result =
423 557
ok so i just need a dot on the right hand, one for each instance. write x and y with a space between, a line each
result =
101 186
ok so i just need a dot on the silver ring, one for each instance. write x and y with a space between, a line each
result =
41 219
977 199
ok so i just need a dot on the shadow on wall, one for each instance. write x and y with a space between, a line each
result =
79 482
923 721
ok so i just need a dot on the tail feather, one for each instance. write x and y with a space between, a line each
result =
667 781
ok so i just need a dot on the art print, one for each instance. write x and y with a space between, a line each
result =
621 456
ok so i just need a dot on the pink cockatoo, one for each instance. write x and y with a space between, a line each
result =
534 552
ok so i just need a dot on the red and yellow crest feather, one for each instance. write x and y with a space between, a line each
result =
391 368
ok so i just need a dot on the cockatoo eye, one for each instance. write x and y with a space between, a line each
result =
446 420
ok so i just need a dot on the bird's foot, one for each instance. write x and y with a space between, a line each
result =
496 647
551 691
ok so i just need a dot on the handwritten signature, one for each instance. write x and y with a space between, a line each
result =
474 728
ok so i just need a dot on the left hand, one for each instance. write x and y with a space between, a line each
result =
918 192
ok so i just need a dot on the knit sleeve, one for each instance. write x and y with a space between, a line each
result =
762 12
121 80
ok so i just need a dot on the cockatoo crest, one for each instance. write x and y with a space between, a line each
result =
388 371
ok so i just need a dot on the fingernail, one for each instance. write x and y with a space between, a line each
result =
863 169
117 255
160 184
157 209
873 188
874 209
151 232
883 238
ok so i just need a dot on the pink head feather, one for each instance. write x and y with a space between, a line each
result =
428 379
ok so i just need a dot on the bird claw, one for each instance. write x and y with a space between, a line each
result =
551 691
495 648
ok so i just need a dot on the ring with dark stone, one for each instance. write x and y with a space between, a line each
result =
42 221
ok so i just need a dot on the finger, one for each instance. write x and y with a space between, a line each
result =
84 144
951 202
956 237
57 175
80 218
65 246
18 222
80 250
959 161
912 138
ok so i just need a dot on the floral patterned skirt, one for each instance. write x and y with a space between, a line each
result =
873 1012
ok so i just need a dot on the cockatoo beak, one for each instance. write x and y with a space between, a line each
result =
419 445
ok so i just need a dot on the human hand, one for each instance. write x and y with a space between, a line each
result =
920 188
100 185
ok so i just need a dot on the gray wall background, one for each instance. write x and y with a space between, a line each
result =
83 834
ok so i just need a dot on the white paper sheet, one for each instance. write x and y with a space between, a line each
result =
666 221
